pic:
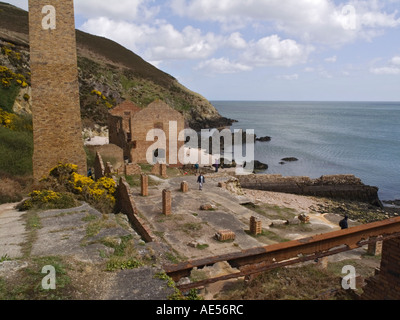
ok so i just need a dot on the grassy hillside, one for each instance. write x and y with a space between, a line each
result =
108 75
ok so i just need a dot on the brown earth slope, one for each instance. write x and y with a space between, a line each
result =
114 71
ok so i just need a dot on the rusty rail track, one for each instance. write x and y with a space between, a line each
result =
260 259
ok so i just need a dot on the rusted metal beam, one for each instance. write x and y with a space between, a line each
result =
263 258
262 267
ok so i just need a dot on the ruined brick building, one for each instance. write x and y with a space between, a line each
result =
129 126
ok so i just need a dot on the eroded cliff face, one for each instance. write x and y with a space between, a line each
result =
108 75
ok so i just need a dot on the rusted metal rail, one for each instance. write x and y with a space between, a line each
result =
261 259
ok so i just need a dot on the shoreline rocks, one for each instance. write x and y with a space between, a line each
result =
347 187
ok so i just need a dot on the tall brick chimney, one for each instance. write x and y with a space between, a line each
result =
57 126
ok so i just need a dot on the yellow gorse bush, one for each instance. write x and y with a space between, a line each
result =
8 77
9 52
102 98
45 195
104 188
94 192
7 119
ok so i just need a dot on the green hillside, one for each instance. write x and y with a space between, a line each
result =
108 75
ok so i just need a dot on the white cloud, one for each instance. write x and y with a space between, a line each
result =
316 21
222 66
385 71
331 59
140 10
289 77
272 51
395 61
236 41
161 41
392 67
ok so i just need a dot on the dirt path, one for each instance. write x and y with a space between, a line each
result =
12 231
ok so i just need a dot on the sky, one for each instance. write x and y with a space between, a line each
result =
290 50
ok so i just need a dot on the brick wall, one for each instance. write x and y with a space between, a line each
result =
157 115
57 126
117 135
131 169
385 285
98 167
126 204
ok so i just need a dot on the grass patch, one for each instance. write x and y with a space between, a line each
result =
16 150
96 224
125 255
146 168
171 257
191 228
4 258
303 283
134 181
202 246
27 284
32 224
8 96
268 235
301 227
116 263
272 211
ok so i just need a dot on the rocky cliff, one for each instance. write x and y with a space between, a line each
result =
108 75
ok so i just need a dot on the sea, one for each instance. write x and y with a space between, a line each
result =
359 138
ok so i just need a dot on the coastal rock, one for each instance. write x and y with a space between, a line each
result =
257 165
290 159
264 139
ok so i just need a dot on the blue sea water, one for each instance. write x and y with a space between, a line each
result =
360 138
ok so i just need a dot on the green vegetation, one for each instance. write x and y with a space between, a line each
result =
48 200
177 295
191 228
28 286
134 181
4 258
272 211
16 150
268 235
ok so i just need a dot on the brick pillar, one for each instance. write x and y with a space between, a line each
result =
375 249
255 226
56 116
184 187
167 202
163 170
385 285
144 182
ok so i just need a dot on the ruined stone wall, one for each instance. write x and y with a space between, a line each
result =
117 135
347 187
385 285
157 115
132 169
99 168
57 127
126 204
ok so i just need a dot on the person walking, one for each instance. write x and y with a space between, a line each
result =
201 180
216 165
